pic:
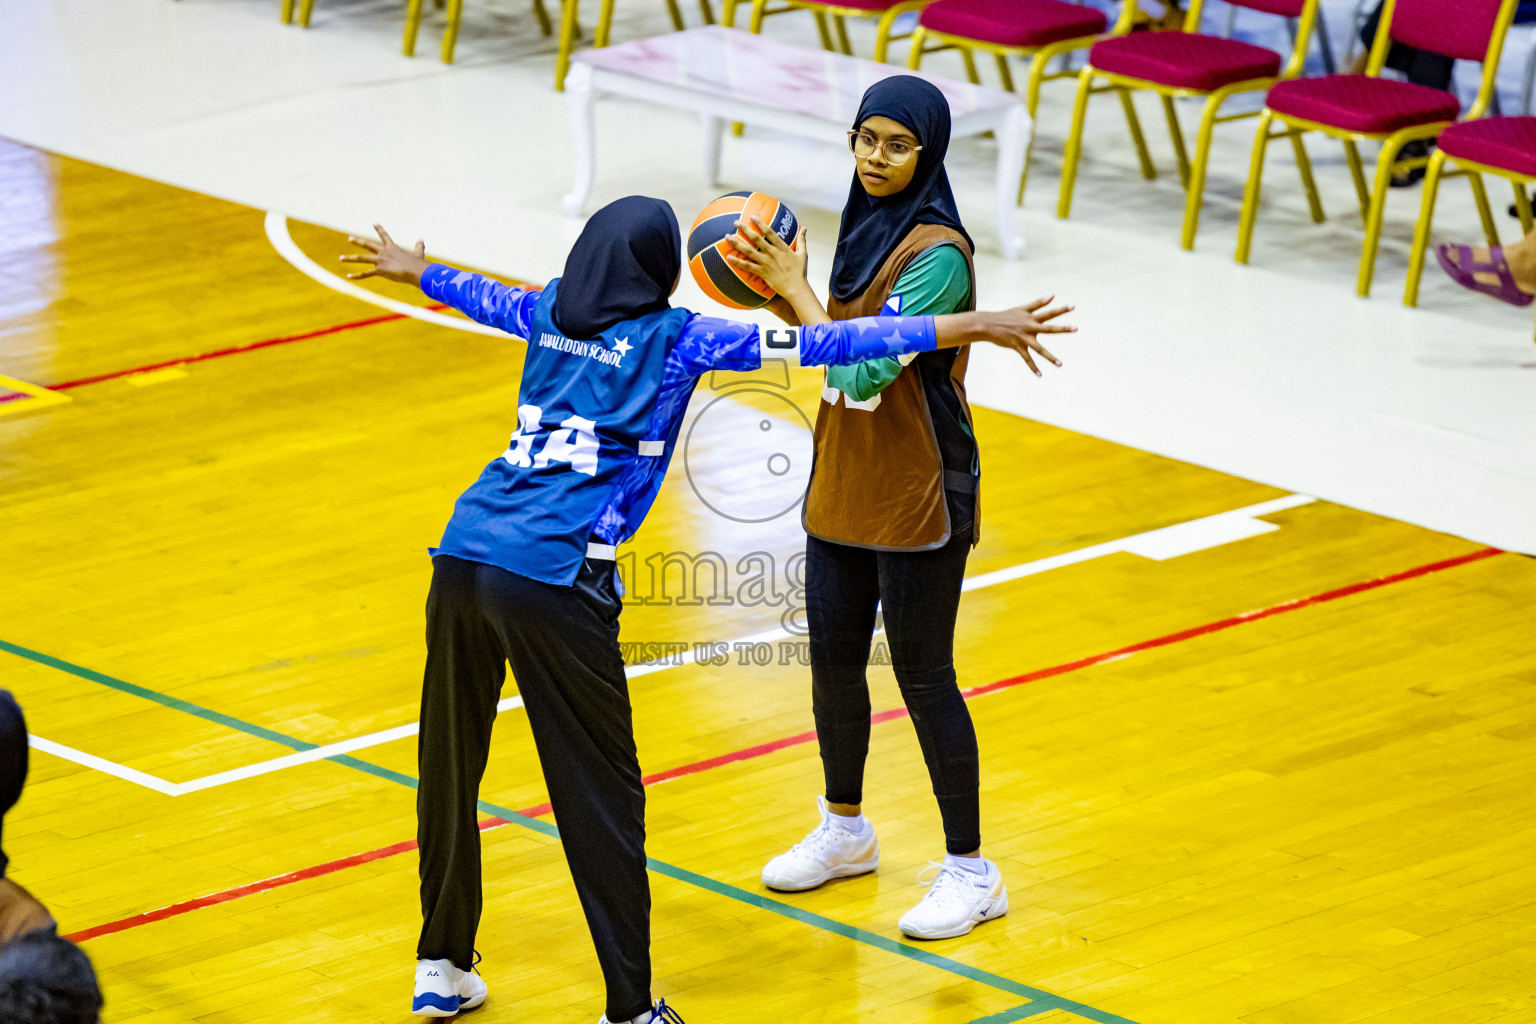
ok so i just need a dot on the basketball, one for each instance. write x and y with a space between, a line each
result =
708 246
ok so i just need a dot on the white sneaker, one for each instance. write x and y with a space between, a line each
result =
829 851
661 1013
957 901
443 990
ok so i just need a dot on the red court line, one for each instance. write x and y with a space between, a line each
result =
233 350
748 753
254 887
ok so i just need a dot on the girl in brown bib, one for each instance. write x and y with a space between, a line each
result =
892 510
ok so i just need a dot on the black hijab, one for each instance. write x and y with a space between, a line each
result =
13 759
872 226
623 266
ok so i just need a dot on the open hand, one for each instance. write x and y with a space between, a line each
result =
387 259
1018 328
762 252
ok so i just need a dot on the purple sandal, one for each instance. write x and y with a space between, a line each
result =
1464 268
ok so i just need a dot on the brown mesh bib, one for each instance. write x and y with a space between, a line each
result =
878 478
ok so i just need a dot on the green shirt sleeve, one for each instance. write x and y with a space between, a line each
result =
937 282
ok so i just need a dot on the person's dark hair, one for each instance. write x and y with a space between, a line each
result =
46 979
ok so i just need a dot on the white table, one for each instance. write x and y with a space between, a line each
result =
791 89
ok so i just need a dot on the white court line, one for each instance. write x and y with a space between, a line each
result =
1168 542
101 764
282 241
1161 544
250 771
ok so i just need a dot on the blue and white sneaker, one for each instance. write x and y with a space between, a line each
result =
443 990
661 1013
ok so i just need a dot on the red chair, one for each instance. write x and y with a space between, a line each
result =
1503 146
1038 29
1175 64
1356 108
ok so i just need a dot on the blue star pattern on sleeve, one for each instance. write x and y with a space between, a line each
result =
842 342
481 299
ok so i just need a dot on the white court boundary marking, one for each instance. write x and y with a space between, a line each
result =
282 241
1159 545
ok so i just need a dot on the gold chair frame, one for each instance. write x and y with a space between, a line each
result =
1191 174
1039 60
884 36
1473 172
1372 203
450 30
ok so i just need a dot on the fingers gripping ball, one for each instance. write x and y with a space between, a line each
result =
707 246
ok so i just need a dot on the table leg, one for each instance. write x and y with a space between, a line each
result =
1012 140
579 99
714 128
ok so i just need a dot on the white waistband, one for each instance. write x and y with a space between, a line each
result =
602 552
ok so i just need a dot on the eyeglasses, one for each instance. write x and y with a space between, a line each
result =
864 145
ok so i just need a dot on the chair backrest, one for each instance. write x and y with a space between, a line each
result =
1464 29
1305 10
1455 28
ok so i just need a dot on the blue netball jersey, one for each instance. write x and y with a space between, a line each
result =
598 418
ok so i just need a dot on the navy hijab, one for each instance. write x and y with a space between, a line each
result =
622 267
873 226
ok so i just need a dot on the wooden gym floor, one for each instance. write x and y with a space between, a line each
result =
1274 766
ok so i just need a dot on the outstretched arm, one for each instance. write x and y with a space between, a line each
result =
387 260
476 296
764 253
708 343
1014 329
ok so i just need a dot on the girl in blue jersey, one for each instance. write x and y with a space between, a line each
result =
525 571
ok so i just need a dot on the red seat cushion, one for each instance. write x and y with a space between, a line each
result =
1022 23
1376 106
1508 142
1184 60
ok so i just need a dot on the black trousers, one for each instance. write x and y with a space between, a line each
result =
918 593
562 643
1423 67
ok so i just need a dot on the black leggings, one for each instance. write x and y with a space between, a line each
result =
563 646
919 596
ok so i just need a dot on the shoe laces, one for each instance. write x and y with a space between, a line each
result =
819 839
948 884
664 1014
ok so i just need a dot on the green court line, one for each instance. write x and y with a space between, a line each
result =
1040 1000
1017 1013
159 698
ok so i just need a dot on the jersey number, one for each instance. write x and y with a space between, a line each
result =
831 395
574 444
